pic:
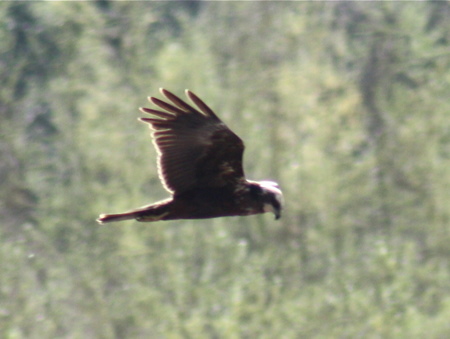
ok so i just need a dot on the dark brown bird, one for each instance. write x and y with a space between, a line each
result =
200 164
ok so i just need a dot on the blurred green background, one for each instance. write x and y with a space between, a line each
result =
345 104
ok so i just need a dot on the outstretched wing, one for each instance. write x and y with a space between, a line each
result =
195 148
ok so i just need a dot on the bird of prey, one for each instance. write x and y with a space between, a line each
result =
200 164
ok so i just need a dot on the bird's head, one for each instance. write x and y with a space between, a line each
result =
272 198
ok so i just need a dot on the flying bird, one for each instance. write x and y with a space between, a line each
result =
200 165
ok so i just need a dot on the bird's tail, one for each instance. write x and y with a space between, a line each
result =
154 212
105 218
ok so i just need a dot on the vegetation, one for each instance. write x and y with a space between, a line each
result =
344 103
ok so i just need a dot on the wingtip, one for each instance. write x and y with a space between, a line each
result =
145 120
154 100
189 94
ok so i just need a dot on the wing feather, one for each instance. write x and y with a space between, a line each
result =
200 104
195 148
159 114
177 101
166 106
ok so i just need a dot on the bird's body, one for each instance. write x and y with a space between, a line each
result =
200 164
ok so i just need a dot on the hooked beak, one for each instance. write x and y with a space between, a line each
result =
274 208
277 213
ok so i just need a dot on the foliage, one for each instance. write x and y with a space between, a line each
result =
344 103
